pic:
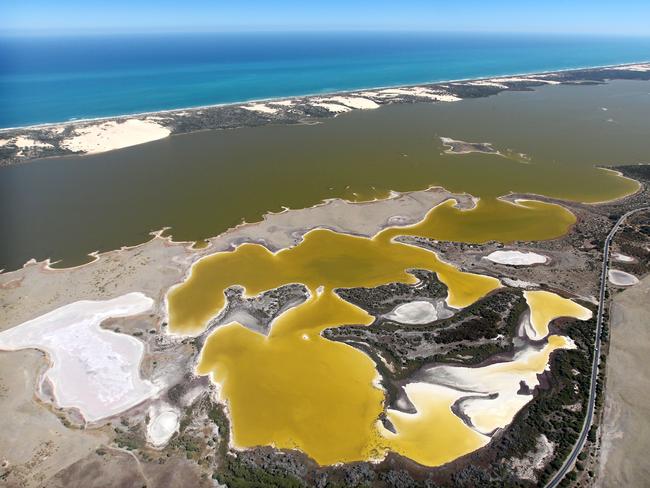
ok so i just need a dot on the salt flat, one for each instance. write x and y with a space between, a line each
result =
92 369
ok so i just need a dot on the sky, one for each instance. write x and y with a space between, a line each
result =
626 17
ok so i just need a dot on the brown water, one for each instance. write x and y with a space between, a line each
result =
201 184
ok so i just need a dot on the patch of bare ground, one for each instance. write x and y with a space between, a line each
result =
625 428
115 468
35 441
625 438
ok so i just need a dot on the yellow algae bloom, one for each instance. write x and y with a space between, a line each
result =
504 379
546 307
492 219
434 435
323 258
295 389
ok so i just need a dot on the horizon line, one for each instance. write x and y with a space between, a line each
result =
90 32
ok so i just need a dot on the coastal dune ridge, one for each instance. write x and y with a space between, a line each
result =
95 135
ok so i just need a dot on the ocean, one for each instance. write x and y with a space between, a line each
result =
54 79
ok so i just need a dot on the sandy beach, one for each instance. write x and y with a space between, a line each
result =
89 136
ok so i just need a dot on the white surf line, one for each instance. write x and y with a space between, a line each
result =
92 369
292 98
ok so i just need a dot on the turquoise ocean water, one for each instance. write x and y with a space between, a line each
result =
57 79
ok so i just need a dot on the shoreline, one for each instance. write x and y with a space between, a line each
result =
464 202
430 83
102 134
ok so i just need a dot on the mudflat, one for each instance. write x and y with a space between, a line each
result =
626 426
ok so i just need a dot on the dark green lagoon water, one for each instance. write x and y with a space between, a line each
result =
203 183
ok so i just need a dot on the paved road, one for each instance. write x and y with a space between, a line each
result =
568 464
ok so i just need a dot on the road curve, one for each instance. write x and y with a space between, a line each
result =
568 463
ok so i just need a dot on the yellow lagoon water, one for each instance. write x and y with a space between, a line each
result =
435 435
491 220
295 389
323 258
546 306
319 396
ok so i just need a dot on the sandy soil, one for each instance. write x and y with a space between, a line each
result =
115 468
626 425
526 466
34 442
36 289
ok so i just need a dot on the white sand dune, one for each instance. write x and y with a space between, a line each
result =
638 67
23 142
106 136
621 278
516 258
92 369
484 83
359 103
260 107
523 78
283 103
26 143
332 107
416 91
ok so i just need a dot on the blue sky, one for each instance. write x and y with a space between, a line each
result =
562 16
